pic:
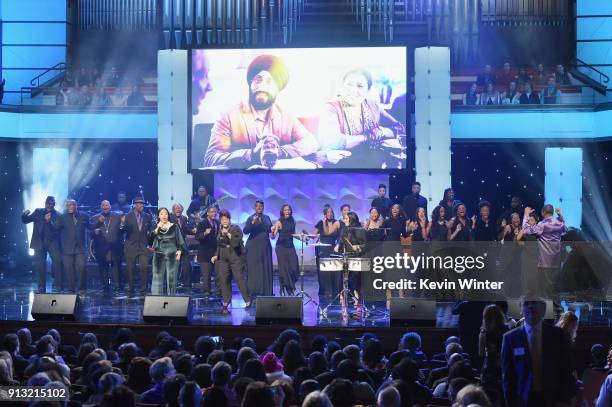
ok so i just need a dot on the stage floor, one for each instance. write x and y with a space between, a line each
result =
97 307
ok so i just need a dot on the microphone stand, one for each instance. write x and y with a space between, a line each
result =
302 292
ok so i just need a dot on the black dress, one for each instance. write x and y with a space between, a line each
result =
288 266
396 230
329 281
491 376
259 256
465 232
438 232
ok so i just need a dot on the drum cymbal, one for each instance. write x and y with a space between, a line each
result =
320 244
304 235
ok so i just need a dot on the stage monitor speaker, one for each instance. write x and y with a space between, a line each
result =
166 309
412 312
61 307
279 310
514 310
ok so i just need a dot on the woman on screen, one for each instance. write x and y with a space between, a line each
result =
351 121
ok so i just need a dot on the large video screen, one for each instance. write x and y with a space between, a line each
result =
299 109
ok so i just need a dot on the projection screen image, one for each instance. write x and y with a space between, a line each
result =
299 109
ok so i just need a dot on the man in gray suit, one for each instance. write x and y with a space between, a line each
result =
137 225
72 226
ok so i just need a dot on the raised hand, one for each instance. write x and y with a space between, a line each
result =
101 219
558 210
26 212
123 219
47 217
213 259
459 227
528 210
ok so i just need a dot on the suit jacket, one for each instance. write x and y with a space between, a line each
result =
185 226
108 239
136 241
517 377
72 235
411 203
235 134
43 233
235 242
208 243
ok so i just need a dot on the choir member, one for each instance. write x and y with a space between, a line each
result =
449 202
460 227
107 240
259 252
168 246
286 255
509 232
206 234
414 201
344 219
186 228
229 259
419 226
136 225
381 202
72 226
45 240
122 204
483 227
374 233
516 206
328 229
200 203
438 229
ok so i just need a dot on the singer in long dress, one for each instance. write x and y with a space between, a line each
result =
168 245
259 252
288 266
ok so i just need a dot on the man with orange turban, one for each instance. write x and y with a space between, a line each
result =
259 131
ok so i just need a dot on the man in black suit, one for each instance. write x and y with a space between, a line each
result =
107 240
535 358
413 201
206 234
187 228
45 240
230 259
137 225
72 226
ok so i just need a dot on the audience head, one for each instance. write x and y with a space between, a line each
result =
190 395
254 369
372 353
123 335
533 309
389 397
493 319
453 347
221 374
201 374
307 387
330 348
336 358
569 323
25 336
317 363
454 386
161 369
406 370
258 394
11 343
109 381
172 387
138 373
240 386
214 397
340 393
317 399
410 341
119 396
204 346
598 356
472 394
353 353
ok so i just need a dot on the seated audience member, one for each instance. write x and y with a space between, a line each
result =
172 387
138 375
471 96
599 356
274 368
317 363
11 345
411 341
472 395
408 372
119 396
119 97
605 394
454 353
488 76
550 95
529 96
540 77
561 76
190 395
442 356
523 77
221 377
83 77
454 386
6 370
490 96
458 369
26 349
389 397
215 398
317 399
160 370
293 357
372 354
340 393
84 97
136 98
258 394
100 98
511 96
506 76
